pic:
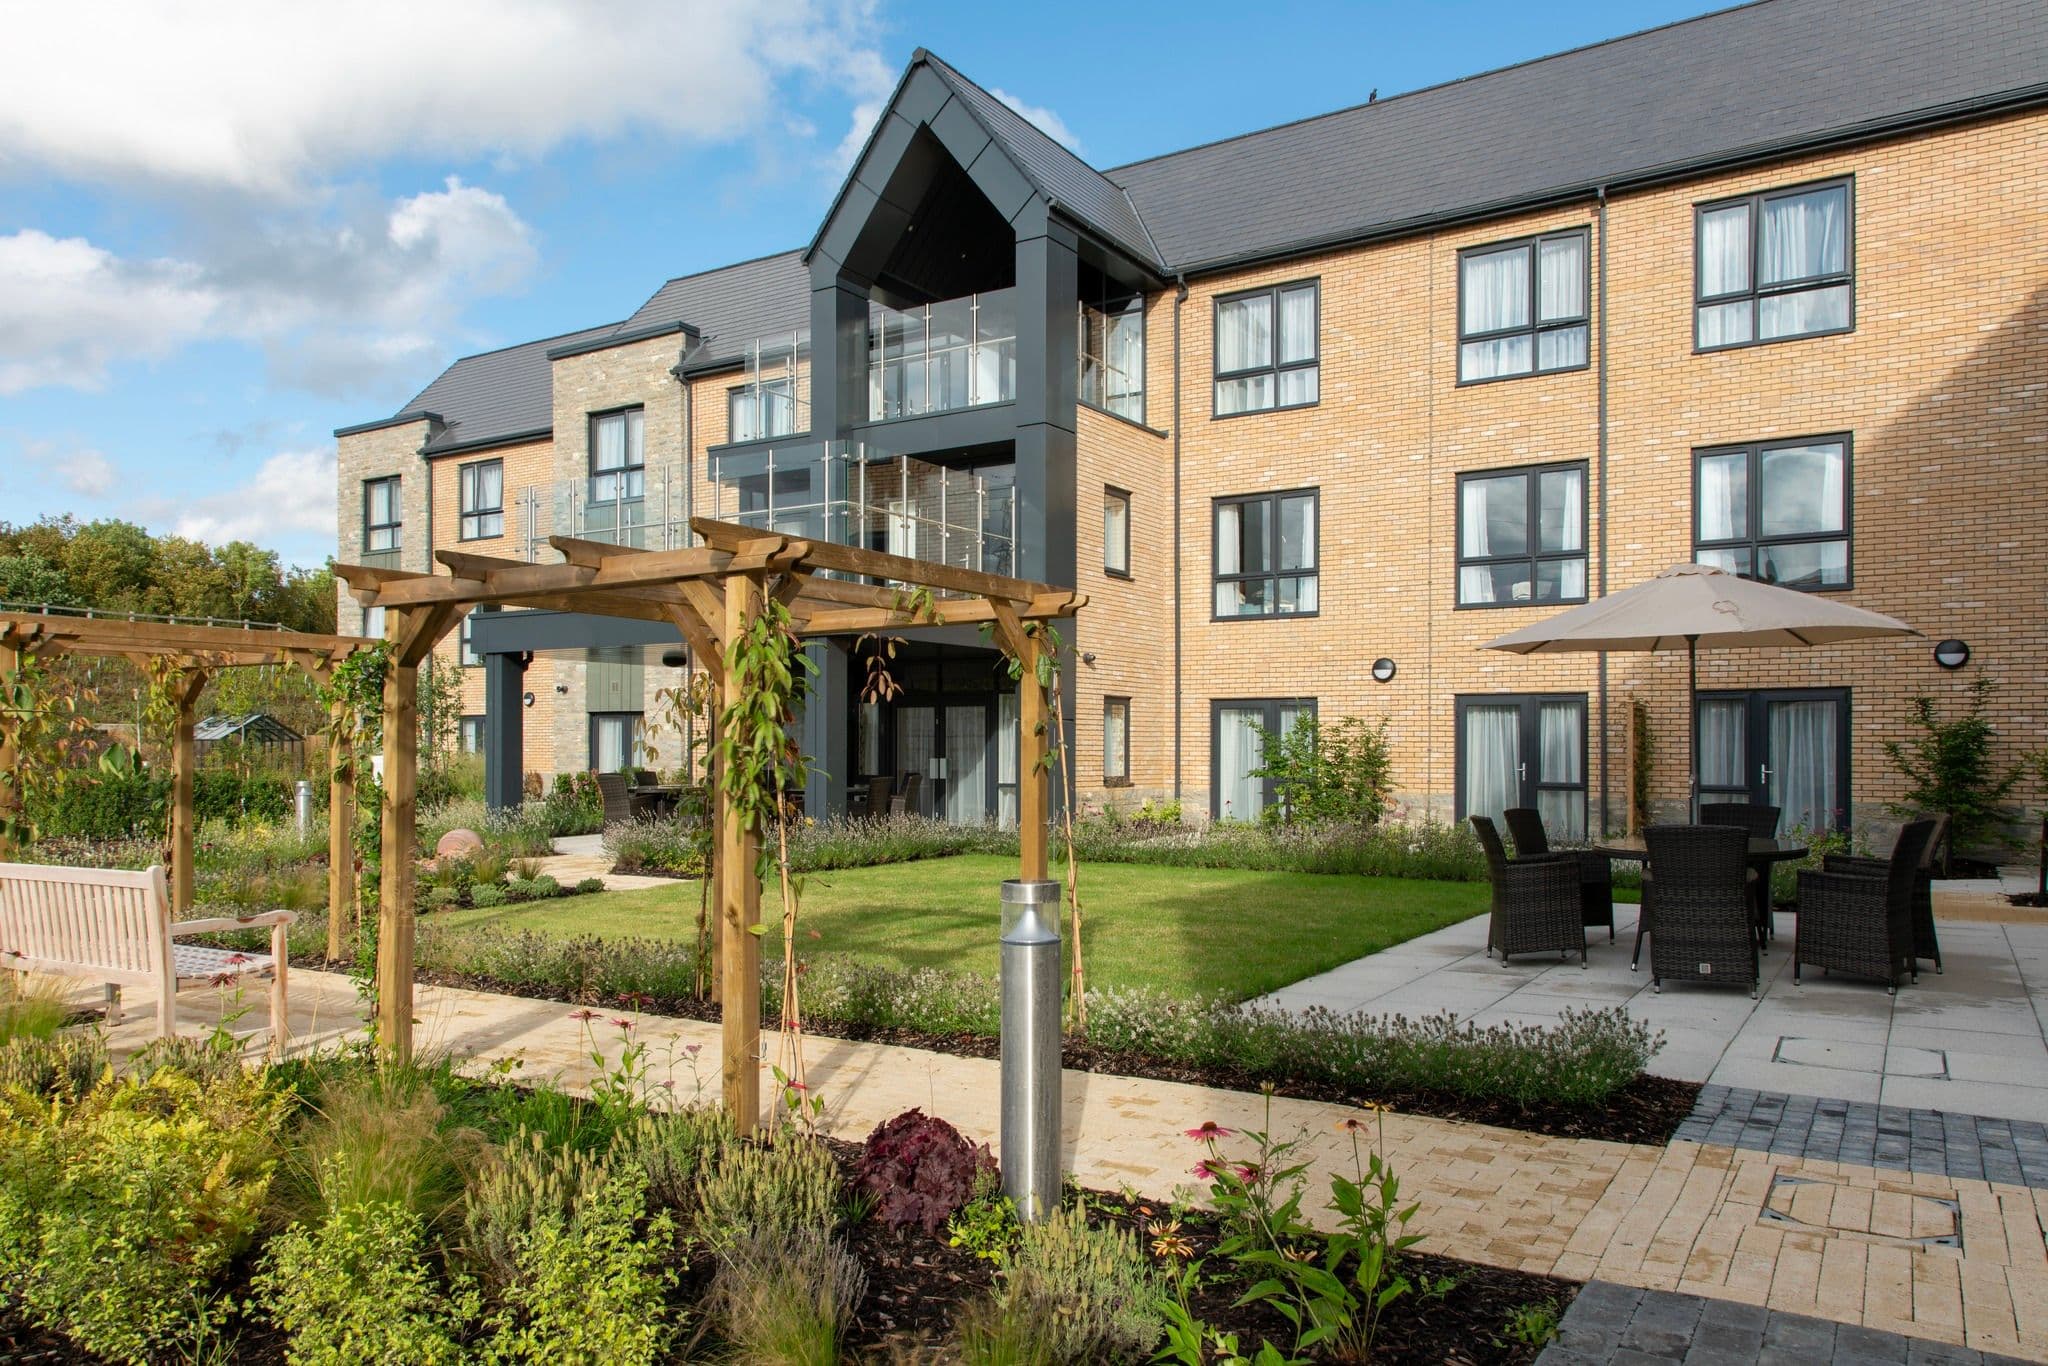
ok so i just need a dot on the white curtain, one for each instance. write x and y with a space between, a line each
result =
914 750
1723 729
1723 511
1493 742
1244 334
1561 279
1805 235
611 444
1475 581
1496 296
1802 787
1564 491
1115 741
1561 747
1297 325
1006 761
1239 796
1724 269
966 765
1116 534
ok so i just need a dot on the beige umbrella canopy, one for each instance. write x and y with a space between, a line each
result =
1693 605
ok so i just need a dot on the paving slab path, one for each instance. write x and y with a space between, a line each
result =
1927 1254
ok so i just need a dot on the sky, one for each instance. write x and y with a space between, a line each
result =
245 223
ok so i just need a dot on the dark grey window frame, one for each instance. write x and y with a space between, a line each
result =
1752 541
1756 738
595 717
1111 491
756 393
590 455
1110 701
467 476
465 651
397 526
1534 556
1102 305
1535 329
1315 571
468 726
1314 362
1271 725
1531 704
1757 290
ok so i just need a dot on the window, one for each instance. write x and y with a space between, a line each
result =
1113 356
1777 512
1522 536
614 740
1787 748
1266 354
618 464
1266 555
1116 741
466 644
757 411
1239 729
1522 307
1773 266
1116 532
373 622
472 735
383 516
483 499
1524 750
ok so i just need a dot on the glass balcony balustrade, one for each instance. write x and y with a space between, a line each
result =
933 358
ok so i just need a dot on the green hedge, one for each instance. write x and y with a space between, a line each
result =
98 806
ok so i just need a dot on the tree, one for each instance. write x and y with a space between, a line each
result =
28 577
1949 766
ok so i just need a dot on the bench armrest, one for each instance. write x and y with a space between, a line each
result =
221 924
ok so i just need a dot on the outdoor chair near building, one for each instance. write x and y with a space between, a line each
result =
878 796
1696 906
1759 820
1536 901
1857 915
904 803
618 801
1596 872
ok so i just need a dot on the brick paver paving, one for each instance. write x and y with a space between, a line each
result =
2011 1151
1927 1254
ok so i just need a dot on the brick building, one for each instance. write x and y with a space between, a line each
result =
1766 289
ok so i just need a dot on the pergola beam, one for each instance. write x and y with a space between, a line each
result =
876 564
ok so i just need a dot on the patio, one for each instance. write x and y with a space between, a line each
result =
1970 1040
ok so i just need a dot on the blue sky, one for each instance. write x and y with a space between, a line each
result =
251 223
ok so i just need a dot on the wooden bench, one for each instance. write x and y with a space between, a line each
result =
114 926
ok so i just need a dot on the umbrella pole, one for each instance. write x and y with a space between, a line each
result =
1692 722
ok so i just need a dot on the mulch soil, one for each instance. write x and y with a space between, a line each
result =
1647 1110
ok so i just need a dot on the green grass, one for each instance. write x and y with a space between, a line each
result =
1187 931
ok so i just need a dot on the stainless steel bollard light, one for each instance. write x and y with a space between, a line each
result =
305 806
1031 1047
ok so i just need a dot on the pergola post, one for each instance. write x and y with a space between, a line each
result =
395 857
10 760
341 819
184 765
739 949
1033 810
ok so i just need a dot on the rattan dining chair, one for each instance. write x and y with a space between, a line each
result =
1759 820
1697 906
1596 874
1535 900
1860 920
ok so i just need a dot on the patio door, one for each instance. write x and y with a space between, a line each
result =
1238 750
916 746
965 780
1783 747
1524 750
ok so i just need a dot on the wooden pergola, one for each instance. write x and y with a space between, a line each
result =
195 654
711 594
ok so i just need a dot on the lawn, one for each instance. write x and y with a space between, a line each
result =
1189 931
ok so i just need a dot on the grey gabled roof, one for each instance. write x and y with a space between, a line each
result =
497 395
1069 183
1729 86
731 306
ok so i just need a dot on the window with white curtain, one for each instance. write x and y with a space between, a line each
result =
466 643
383 515
1266 555
1774 266
760 410
483 499
1776 511
1524 750
1522 536
1113 355
614 738
472 737
618 464
1240 729
1782 747
1267 350
1116 532
1116 741
1522 307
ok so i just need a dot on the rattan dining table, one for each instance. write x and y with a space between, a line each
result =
1763 852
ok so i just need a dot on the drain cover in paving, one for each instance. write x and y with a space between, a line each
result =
1848 1057
1916 1062
1887 1217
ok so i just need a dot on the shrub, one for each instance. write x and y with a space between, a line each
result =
1417 849
357 1288
30 1008
668 846
782 1299
1342 772
537 888
443 898
919 1170
1097 1293
986 1225
588 885
65 1065
125 1209
1005 1329
1949 766
785 1186
574 807
528 1185
674 1151
489 894
381 1137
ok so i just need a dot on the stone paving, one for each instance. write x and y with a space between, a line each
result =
1932 1255
2011 1151
1969 1040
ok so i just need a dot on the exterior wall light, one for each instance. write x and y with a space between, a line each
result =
1088 657
1952 654
673 659
527 698
1383 670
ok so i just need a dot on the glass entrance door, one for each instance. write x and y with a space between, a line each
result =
966 776
916 745
1787 748
1524 751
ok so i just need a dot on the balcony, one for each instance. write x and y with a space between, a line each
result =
851 494
636 506
935 358
381 559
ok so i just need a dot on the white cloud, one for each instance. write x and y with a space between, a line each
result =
1049 123
88 474
291 493
343 302
271 98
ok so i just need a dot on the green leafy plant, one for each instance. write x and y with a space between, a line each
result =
1191 1342
787 1185
1339 773
357 1287
920 1170
1532 1325
676 1150
986 1225
1099 1294
30 1007
1949 768
380 1137
63 1065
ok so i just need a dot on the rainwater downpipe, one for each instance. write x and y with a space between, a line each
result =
1180 298
1600 196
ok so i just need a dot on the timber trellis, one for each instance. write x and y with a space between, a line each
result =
711 594
194 654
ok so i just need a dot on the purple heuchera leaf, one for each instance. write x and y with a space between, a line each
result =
919 1170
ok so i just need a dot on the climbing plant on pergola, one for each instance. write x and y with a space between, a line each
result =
710 593
191 655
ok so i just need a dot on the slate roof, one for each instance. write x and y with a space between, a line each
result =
1725 86
493 396
731 306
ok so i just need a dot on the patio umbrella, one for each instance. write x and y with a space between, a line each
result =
1693 605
